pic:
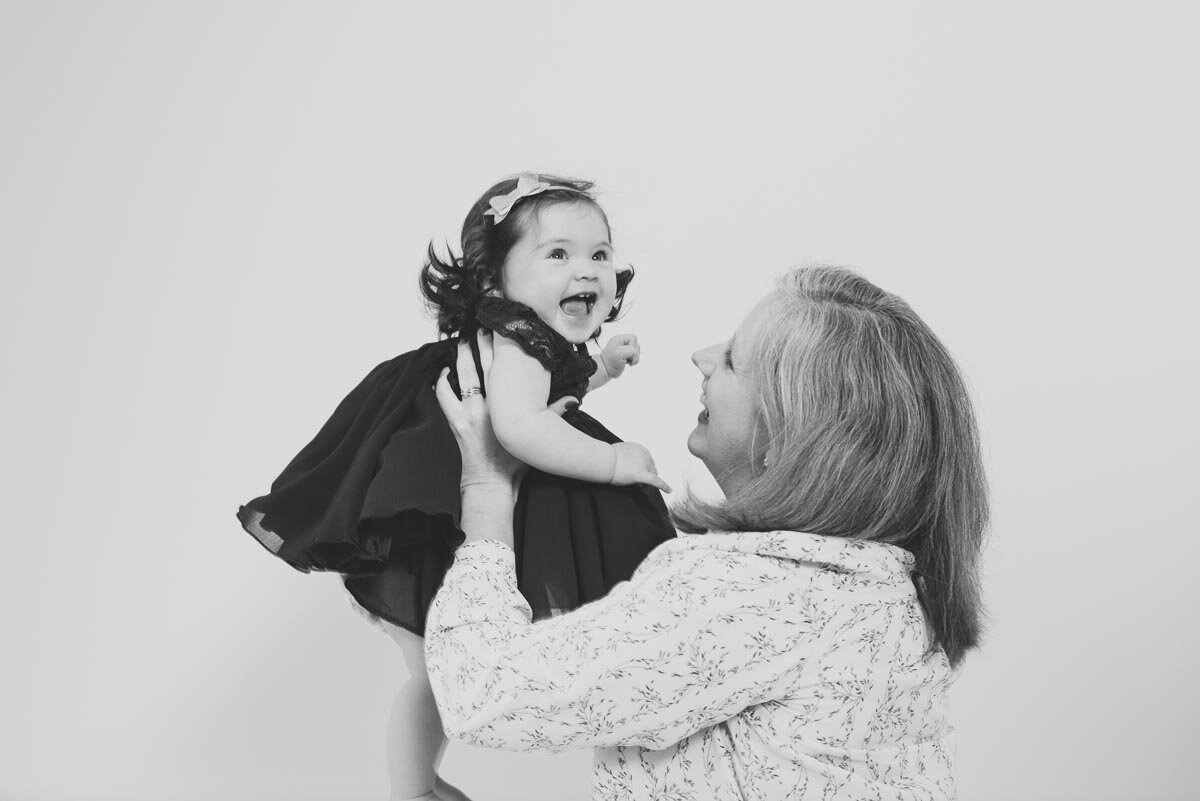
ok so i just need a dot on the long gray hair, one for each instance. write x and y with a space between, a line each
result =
867 428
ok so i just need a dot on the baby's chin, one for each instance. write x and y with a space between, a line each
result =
574 335
578 329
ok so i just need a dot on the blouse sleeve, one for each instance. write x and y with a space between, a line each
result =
697 636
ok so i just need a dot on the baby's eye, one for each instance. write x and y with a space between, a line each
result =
601 255
558 253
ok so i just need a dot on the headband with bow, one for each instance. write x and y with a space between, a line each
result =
528 183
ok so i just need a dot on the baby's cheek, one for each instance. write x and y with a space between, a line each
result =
610 292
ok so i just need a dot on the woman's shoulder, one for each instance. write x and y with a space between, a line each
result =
798 551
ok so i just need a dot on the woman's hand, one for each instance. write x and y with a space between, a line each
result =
485 463
491 475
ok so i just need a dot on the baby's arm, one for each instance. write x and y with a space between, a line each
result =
618 352
516 393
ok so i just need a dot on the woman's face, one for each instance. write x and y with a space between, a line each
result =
725 428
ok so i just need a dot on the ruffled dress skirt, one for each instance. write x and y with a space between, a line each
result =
375 496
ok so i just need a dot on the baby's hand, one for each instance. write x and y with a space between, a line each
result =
621 350
635 465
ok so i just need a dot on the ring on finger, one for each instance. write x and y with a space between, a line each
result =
469 391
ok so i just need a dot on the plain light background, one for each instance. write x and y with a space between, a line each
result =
211 221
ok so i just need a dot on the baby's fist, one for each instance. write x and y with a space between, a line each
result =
635 465
620 351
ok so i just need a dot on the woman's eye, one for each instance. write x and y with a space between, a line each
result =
558 253
729 358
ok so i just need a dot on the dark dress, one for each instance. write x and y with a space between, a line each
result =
375 495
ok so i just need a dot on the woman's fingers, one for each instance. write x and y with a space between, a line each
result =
468 378
451 405
486 351
562 405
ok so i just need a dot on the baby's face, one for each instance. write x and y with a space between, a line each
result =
562 268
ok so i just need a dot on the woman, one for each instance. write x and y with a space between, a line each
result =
803 647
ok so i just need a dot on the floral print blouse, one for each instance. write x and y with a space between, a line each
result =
731 666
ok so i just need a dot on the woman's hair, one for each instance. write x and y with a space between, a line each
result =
452 286
867 427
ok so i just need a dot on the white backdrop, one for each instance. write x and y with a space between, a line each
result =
212 220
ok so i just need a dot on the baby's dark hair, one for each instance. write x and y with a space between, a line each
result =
453 286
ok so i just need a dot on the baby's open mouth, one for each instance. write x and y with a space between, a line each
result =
578 305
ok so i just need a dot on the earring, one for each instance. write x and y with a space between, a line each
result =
766 461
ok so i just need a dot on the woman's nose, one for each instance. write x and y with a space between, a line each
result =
703 359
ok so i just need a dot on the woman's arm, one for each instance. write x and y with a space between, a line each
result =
695 637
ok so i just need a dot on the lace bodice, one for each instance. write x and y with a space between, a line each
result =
569 365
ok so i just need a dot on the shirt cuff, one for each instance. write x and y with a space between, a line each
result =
489 550
479 587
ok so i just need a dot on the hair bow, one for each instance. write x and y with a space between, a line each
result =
528 183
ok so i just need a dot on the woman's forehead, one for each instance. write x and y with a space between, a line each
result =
755 321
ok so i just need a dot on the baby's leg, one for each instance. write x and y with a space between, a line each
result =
416 741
